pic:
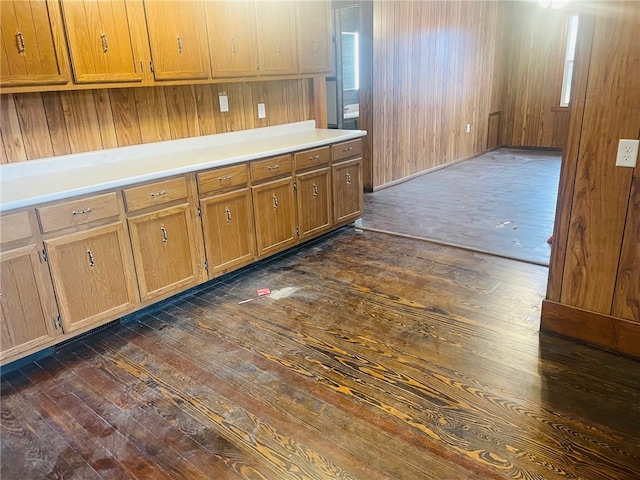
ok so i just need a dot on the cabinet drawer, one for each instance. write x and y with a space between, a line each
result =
349 149
153 194
223 178
270 168
78 212
318 157
15 226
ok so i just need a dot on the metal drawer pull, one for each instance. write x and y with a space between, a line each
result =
347 149
165 236
158 194
275 201
81 212
316 157
20 42
273 167
348 178
91 262
180 45
233 45
226 178
228 214
316 48
315 190
105 43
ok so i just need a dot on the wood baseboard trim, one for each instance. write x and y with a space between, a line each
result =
605 331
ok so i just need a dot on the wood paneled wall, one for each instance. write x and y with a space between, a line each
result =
534 41
432 73
594 279
38 125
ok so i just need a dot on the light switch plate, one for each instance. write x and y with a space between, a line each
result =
224 102
262 111
627 153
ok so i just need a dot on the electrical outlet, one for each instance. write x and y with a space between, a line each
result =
627 153
262 111
224 102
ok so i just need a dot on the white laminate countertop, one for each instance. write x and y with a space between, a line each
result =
29 183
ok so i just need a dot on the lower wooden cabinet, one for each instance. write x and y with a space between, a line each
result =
314 202
27 307
91 275
164 251
347 190
228 228
275 215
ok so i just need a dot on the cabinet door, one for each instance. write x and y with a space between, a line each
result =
314 202
274 209
27 306
233 40
347 190
100 41
277 37
229 239
314 36
92 276
178 39
164 251
32 44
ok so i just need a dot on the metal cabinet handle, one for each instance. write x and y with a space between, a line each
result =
233 45
165 235
316 157
348 178
275 201
82 212
105 42
226 178
315 190
158 194
180 44
91 259
347 149
228 212
20 42
273 167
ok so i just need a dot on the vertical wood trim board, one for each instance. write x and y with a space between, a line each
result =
39 125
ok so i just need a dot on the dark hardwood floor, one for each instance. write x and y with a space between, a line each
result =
375 357
501 202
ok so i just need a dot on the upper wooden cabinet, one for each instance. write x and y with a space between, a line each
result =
32 44
314 36
178 39
277 37
101 42
233 39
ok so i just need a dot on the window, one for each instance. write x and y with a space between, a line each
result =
350 61
567 75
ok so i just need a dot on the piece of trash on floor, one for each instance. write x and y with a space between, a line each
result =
501 225
516 242
515 227
262 292
283 292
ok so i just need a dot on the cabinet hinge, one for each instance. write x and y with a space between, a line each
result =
58 322
151 66
257 65
295 186
206 266
43 256
199 212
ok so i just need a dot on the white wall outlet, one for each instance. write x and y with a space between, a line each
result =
627 153
262 111
224 102
468 128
